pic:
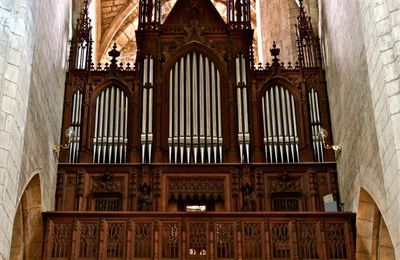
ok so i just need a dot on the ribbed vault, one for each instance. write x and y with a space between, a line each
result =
117 20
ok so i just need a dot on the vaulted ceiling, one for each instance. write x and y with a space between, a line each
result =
115 21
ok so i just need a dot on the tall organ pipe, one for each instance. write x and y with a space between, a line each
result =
280 126
110 133
195 134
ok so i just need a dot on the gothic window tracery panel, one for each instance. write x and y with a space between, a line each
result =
252 241
197 240
336 240
308 240
281 141
110 126
225 240
280 241
75 123
195 134
88 240
316 125
170 234
143 239
61 242
116 240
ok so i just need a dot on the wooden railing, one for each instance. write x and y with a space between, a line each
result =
198 235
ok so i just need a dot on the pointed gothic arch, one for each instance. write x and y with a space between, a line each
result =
373 238
27 236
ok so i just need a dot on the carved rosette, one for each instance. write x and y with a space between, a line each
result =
106 183
286 183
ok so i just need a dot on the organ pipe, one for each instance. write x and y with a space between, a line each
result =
195 134
110 132
147 109
280 126
242 107
315 124
75 123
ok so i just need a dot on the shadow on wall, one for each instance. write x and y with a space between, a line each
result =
373 240
27 233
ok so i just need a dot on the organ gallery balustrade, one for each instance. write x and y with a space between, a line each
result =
166 187
264 236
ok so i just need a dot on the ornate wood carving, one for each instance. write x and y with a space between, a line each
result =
286 183
196 187
107 183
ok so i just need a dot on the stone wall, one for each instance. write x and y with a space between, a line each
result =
361 42
33 54
278 24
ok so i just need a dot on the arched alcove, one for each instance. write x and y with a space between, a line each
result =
373 239
27 233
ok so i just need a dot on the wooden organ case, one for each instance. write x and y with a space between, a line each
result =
194 151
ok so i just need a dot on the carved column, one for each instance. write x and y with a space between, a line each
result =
80 185
313 190
60 190
157 189
235 190
132 191
74 235
260 194
239 238
85 155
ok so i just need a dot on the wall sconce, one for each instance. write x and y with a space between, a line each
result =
323 134
69 133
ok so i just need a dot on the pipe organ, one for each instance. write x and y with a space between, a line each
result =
110 127
194 126
75 123
242 108
202 102
147 109
315 123
280 126
195 134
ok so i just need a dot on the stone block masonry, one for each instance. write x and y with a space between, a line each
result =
33 55
360 40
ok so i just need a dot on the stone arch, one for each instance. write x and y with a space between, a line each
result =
27 235
373 239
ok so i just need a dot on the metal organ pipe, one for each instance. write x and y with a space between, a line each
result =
81 55
147 109
75 123
280 126
242 106
110 133
195 134
315 123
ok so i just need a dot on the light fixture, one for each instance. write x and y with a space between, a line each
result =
69 133
323 134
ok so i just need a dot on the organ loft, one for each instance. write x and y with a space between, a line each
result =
194 151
